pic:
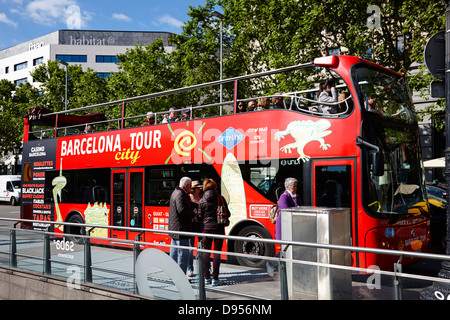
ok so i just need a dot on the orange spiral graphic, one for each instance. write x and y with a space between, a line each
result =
184 143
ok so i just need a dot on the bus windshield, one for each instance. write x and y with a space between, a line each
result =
395 185
400 188
384 93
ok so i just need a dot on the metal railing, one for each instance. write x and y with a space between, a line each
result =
53 248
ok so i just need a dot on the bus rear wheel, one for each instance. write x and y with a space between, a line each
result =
74 232
252 247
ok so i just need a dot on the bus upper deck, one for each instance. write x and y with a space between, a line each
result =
43 123
50 124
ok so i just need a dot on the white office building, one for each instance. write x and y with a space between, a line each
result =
90 49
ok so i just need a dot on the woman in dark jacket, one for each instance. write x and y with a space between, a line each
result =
207 213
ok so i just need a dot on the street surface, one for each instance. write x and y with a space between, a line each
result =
8 211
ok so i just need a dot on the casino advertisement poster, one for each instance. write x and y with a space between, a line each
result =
39 156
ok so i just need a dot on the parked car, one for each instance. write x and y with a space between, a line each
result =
437 198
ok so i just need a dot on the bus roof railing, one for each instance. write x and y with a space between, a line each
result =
184 89
309 106
293 106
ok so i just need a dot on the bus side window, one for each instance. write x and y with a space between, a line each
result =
160 185
333 186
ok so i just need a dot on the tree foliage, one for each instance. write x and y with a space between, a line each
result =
83 87
14 102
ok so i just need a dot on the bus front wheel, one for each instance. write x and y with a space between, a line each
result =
252 247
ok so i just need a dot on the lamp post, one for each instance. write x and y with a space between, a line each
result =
65 64
220 16
16 151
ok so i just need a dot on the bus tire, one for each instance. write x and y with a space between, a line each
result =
253 248
73 232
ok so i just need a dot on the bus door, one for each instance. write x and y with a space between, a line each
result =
334 186
127 198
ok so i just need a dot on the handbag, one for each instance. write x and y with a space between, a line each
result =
273 214
222 213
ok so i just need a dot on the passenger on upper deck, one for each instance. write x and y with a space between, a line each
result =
88 128
241 107
251 105
185 114
150 119
171 117
277 100
328 95
344 106
263 103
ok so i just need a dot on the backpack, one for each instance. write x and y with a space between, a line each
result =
273 214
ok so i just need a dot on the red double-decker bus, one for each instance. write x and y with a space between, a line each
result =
357 148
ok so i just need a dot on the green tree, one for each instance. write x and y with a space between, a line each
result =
144 70
259 36
83 87
14 102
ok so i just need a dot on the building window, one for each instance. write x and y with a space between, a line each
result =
402 42
103 74
7 70
71 58
106 59
368 54
20 81
333 52
21 66
38 61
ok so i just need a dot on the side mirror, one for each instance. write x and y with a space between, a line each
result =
378 163
377 157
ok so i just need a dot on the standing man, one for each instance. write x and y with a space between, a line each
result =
180 219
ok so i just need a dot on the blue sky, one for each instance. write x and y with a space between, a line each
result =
23 20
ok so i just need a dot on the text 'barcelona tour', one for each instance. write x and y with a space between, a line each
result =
110 143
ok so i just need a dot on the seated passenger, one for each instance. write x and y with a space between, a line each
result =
150 119
263 103
348 104
171 117
328 95
241 107
88 128
277 100
185 115
251 105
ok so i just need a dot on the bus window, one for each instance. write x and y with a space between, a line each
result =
92 185
333 186
160 185
199 172
82 186
136 199
268 179
119 199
